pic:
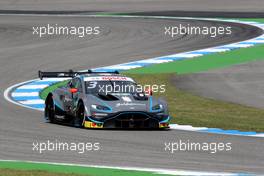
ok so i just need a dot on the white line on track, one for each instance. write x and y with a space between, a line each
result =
154 61
121 67
185 55
186 127
238 45
214 50
255 41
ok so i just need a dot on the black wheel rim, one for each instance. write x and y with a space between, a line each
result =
80 117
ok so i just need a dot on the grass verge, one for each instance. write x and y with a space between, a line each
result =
260 20
207 62
188 109
15 172
44 93
8 168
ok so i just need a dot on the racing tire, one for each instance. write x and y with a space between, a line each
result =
79 118
49 110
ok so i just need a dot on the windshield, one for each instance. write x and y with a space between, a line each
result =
109 86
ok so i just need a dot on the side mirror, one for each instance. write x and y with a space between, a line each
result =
149 92
73 90
70 84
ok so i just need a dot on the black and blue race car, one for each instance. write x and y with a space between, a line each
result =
103 100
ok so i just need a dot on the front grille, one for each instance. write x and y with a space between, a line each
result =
131 120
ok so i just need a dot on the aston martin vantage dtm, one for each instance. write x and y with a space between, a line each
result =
91 100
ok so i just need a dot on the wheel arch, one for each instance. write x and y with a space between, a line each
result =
58 110
80 103
49 96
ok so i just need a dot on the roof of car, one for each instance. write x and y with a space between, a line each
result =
105 77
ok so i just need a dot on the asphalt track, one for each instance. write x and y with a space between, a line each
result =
135 5
242 84
123 40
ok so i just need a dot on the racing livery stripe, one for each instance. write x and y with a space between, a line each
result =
110 77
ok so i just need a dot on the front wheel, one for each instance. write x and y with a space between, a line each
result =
49 110
79 118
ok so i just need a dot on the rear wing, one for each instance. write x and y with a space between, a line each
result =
69 73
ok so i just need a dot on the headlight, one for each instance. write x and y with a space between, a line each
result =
157 107
100 107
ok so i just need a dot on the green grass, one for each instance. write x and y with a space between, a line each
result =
44 93
16 172
186 108
207 62
260 20
42 169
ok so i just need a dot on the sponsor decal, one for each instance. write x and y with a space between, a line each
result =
106 78
129 104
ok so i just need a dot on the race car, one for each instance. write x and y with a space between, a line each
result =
103 100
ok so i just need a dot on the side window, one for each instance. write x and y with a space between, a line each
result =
70 84
73 83
79 84
76 83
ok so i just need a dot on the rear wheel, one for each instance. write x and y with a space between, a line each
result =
49 110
